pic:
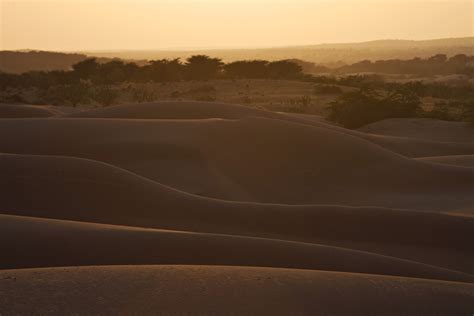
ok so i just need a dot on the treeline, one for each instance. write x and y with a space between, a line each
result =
461 89
198 67
436 65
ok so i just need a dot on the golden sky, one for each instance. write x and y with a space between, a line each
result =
165 24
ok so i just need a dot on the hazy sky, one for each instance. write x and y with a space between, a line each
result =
162 24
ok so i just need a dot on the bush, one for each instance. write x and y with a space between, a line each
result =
300 105
143 95
105 95
12 96
74 94
441 111
356 109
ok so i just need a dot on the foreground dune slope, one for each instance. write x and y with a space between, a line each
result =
86 190
64 243
402 142
253 159
211 290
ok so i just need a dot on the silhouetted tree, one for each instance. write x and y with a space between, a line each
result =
165 70
247 69
86 69
202 67
284 69
111 72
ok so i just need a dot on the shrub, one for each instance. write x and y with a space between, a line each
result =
12 96
300 105
105 95
143 95
356 109
441 111
73 94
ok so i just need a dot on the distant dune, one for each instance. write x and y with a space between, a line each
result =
206 207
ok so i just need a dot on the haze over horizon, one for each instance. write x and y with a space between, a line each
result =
84 25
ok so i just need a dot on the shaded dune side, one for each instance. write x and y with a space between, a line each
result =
211 290
49 243
294 163
203 110
85 190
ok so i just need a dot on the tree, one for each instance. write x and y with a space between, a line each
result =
254 69
284 69
165 70
111 72
202 67
86 69
439 58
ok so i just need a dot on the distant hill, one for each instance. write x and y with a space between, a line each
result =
326 54
22 61
330 55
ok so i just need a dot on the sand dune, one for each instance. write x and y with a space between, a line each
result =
19 110
252 159
428 129
216 290
79 189
201 110
220 198
176 110
63 243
